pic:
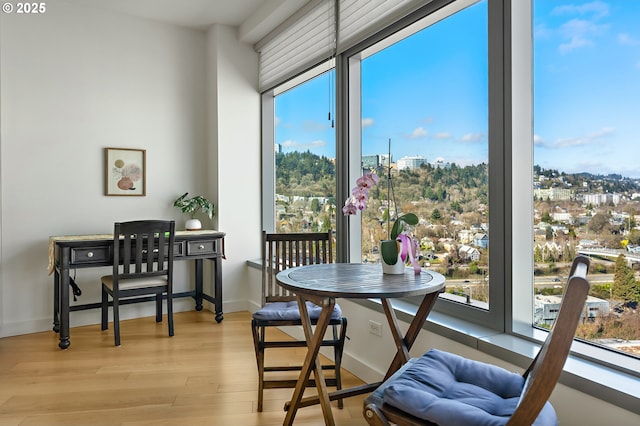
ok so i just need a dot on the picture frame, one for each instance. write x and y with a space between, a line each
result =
125 172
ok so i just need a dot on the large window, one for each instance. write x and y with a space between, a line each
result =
586 170
304 152
520 115
425 115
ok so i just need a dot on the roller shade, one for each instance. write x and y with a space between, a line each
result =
360 19
308 37
304 40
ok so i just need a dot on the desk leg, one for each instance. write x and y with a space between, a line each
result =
404 344
217 287
56 301
312 362
64 298
199 274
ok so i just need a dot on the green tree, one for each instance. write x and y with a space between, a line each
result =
598 222
315 205
625 286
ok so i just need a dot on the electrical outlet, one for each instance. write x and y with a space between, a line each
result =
375 328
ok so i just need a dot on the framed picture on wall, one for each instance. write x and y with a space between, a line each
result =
125 172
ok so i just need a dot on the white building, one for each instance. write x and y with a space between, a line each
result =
410 163
546 308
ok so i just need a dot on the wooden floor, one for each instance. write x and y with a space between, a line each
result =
205 375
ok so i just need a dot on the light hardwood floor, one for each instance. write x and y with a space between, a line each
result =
205 375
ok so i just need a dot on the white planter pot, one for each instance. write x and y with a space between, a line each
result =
397 268
193 225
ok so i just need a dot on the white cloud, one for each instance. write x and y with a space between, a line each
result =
442 135
579 33
300 146
367 122
626 39
419 132
313 126
581 30
588 139
472 137
537 140
597 9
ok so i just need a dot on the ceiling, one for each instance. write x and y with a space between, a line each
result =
254 18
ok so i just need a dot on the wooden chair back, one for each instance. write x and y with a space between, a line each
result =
282 251
545 370
146 250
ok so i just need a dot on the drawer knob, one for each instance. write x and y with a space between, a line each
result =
201 246
90 254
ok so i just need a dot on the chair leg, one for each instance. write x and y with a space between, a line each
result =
105 309
116 321
159 307
169 311
258 336
337 351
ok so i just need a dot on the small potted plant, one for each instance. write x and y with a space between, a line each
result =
192 206
400 247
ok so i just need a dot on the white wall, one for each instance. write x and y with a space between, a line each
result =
76 80
234 155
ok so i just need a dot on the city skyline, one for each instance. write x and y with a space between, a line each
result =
419 94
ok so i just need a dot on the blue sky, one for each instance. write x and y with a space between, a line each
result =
428 93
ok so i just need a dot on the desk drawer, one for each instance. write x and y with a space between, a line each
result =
201 247
88 255
178 249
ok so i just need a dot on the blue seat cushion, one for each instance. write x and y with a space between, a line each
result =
288 311
448 389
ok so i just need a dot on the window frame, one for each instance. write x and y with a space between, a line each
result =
510 317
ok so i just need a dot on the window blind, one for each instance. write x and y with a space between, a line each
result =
304 40
309 36
360 19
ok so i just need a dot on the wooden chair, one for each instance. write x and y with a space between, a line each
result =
280 308
143 265
444 389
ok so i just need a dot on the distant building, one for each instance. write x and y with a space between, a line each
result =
562 217
600 199
410 163
439 164
553 194
547 307
374 161
465 236
481 240
469 253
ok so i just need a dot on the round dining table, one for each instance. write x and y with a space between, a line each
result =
322 284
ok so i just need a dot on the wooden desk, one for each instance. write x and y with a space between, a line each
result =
91 251
322 285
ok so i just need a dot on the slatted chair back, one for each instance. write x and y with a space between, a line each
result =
147 249
545 370
283 251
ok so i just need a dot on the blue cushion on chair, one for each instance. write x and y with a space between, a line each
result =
448 389
289 311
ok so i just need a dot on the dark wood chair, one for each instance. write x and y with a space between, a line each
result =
280 308
444 389
143 266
